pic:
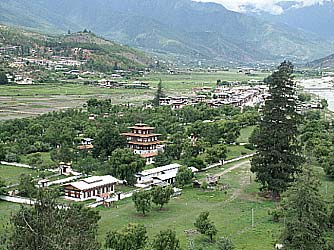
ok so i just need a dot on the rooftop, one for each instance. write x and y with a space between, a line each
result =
93 182
160 169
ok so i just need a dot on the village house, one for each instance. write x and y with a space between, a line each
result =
86 143
91 188
143 141
165 174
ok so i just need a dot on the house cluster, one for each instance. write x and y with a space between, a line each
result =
55 63
115 83
103 187
20 79
237 96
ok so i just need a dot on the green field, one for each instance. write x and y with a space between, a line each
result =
245 133
19 101
234 151
11 175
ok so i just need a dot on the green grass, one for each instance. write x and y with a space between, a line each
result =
45 156
245 133
234 151
11 174
230 212
43 90
189 80
232 216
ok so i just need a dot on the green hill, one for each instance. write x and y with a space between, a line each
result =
185 29
326 62
99 53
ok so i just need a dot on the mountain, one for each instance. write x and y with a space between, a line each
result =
326 62
100 53
186 30
317 19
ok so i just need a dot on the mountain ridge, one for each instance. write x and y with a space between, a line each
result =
187 30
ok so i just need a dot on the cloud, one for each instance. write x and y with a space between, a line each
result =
261 5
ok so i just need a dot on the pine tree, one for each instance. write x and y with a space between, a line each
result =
48 225
306 215
278 159
166 240
158 95
3 78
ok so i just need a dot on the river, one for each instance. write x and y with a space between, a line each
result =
322 87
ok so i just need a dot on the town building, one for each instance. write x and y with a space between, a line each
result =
91 188
143 141
165 174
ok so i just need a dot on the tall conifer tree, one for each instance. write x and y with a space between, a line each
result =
306 215
158 95
278 153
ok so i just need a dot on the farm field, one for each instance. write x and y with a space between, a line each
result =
20 101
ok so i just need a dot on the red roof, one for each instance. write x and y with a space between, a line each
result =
148 155
140 135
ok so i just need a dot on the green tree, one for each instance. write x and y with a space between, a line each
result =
216 153
108 140
225 243
162 159
3 78
161 195
87 165
47 225
195 162
63 154
278 153
184 176
142 200
35 159
132 237
205 226
124 164
305 215
158 95
27 186
166 240
2 187
323 103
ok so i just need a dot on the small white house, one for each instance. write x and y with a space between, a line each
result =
90 188
166 174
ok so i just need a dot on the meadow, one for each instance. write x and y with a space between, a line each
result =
19 101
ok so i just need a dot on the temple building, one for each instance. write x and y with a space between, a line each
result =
143 141
90 188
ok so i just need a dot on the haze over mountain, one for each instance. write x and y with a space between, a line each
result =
317 18
183 28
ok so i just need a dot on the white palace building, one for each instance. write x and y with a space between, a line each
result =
91 188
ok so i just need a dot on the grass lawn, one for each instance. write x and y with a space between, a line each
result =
231 213
11 174
234 151
6 209
245 133
45 156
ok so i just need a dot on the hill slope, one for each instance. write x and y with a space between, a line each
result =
189 30
327 61
98 52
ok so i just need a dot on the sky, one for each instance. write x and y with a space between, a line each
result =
264 5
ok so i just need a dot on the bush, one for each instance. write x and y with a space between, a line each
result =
225 243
